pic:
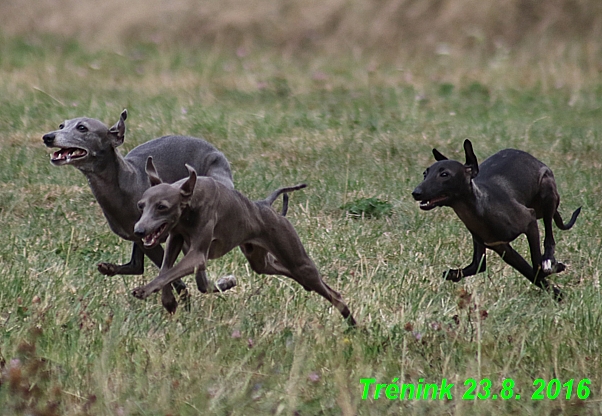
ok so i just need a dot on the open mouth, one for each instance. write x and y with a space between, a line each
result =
154 238
67 155
432 203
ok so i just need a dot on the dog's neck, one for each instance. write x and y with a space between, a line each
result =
117 185
470 206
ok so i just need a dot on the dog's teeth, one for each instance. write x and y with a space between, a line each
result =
150 239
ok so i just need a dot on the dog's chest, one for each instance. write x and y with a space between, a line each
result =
493 224
124 229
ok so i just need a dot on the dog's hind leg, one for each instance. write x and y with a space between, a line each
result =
309 277
262 262
534 247
289 255
207 286
514 259
300 268
549 206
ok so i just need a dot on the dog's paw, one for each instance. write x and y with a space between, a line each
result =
454 275
171 307
559 268
140 292
108 269
551 266
226 283
169 302
546 265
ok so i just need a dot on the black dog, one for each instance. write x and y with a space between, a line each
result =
497 202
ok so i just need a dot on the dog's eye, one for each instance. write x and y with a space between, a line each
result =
161 207
82 128
61 126
444 174
141 206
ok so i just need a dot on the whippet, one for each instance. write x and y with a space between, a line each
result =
497 201
211 219
118 182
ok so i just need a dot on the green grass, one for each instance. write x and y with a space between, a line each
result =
84 345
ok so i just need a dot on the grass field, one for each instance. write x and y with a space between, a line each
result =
73 342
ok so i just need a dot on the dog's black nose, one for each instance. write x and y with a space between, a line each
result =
48 139
417 193
139 233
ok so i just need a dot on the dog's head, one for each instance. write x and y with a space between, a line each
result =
82 139
162 205
446 180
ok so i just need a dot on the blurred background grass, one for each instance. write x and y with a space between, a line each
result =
387 29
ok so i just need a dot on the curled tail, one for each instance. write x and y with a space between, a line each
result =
560 224
270 199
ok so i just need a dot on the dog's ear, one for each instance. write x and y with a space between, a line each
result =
151 171
117 132
472 164
187 187
438 155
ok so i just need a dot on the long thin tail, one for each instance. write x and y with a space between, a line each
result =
270 199
560 224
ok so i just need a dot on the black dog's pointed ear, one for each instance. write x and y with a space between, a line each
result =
187 187
438 156
471 159
151 171
117 132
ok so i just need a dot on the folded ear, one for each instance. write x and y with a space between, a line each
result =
438 155
117 132
187 187
152 172
471 160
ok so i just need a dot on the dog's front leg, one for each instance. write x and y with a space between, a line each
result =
134 266
173 247
478 264
196 257
156 255
186 266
